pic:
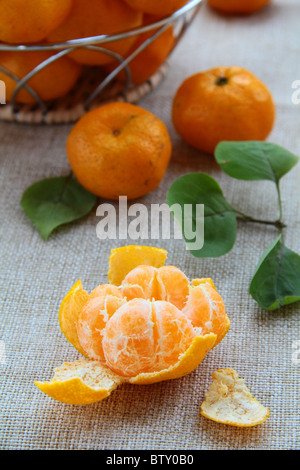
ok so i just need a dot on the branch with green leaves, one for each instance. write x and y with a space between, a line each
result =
276 281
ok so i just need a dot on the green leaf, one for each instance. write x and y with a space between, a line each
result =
276 281
254 160
219 217
55 201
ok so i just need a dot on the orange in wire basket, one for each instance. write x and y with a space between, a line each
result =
96 18
148 61
24 21
119 149
157 7
54 81
238 6
140 341
224 103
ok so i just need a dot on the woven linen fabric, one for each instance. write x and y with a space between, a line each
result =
35 275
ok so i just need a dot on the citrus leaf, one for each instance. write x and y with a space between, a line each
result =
254 160
276 281
219 217
55 201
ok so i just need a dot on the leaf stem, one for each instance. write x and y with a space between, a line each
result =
279 200
246 218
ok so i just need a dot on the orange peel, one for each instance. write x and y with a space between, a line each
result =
88 381
69 312
81 382
229 401
123 260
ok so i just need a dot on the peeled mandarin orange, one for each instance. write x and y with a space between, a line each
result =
140 341
238 6
205 308
224 103
144 336
24 21
119 149
54 81
95 18
157 7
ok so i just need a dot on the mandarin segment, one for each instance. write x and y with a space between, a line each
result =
173 286
229 401
174 334
166 283
205 308
141 282
91 322
144 336
128 339
187 362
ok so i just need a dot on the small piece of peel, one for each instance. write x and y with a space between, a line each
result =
123 260
229 401
81 382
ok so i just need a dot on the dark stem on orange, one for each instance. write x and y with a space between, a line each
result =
221 80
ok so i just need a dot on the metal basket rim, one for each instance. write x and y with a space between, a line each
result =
103 38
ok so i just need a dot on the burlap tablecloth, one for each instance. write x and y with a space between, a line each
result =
35 275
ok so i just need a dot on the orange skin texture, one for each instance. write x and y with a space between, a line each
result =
54 81
145 337
147 62
238 6
205 113
166 283
101 17
24 21
119 149
205 308
157 7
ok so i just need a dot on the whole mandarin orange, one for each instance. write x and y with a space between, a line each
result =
148 61
224 103
54 81
119 149
26 22
157 7
96 18
238 6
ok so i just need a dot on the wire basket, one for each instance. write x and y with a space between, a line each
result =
94 87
